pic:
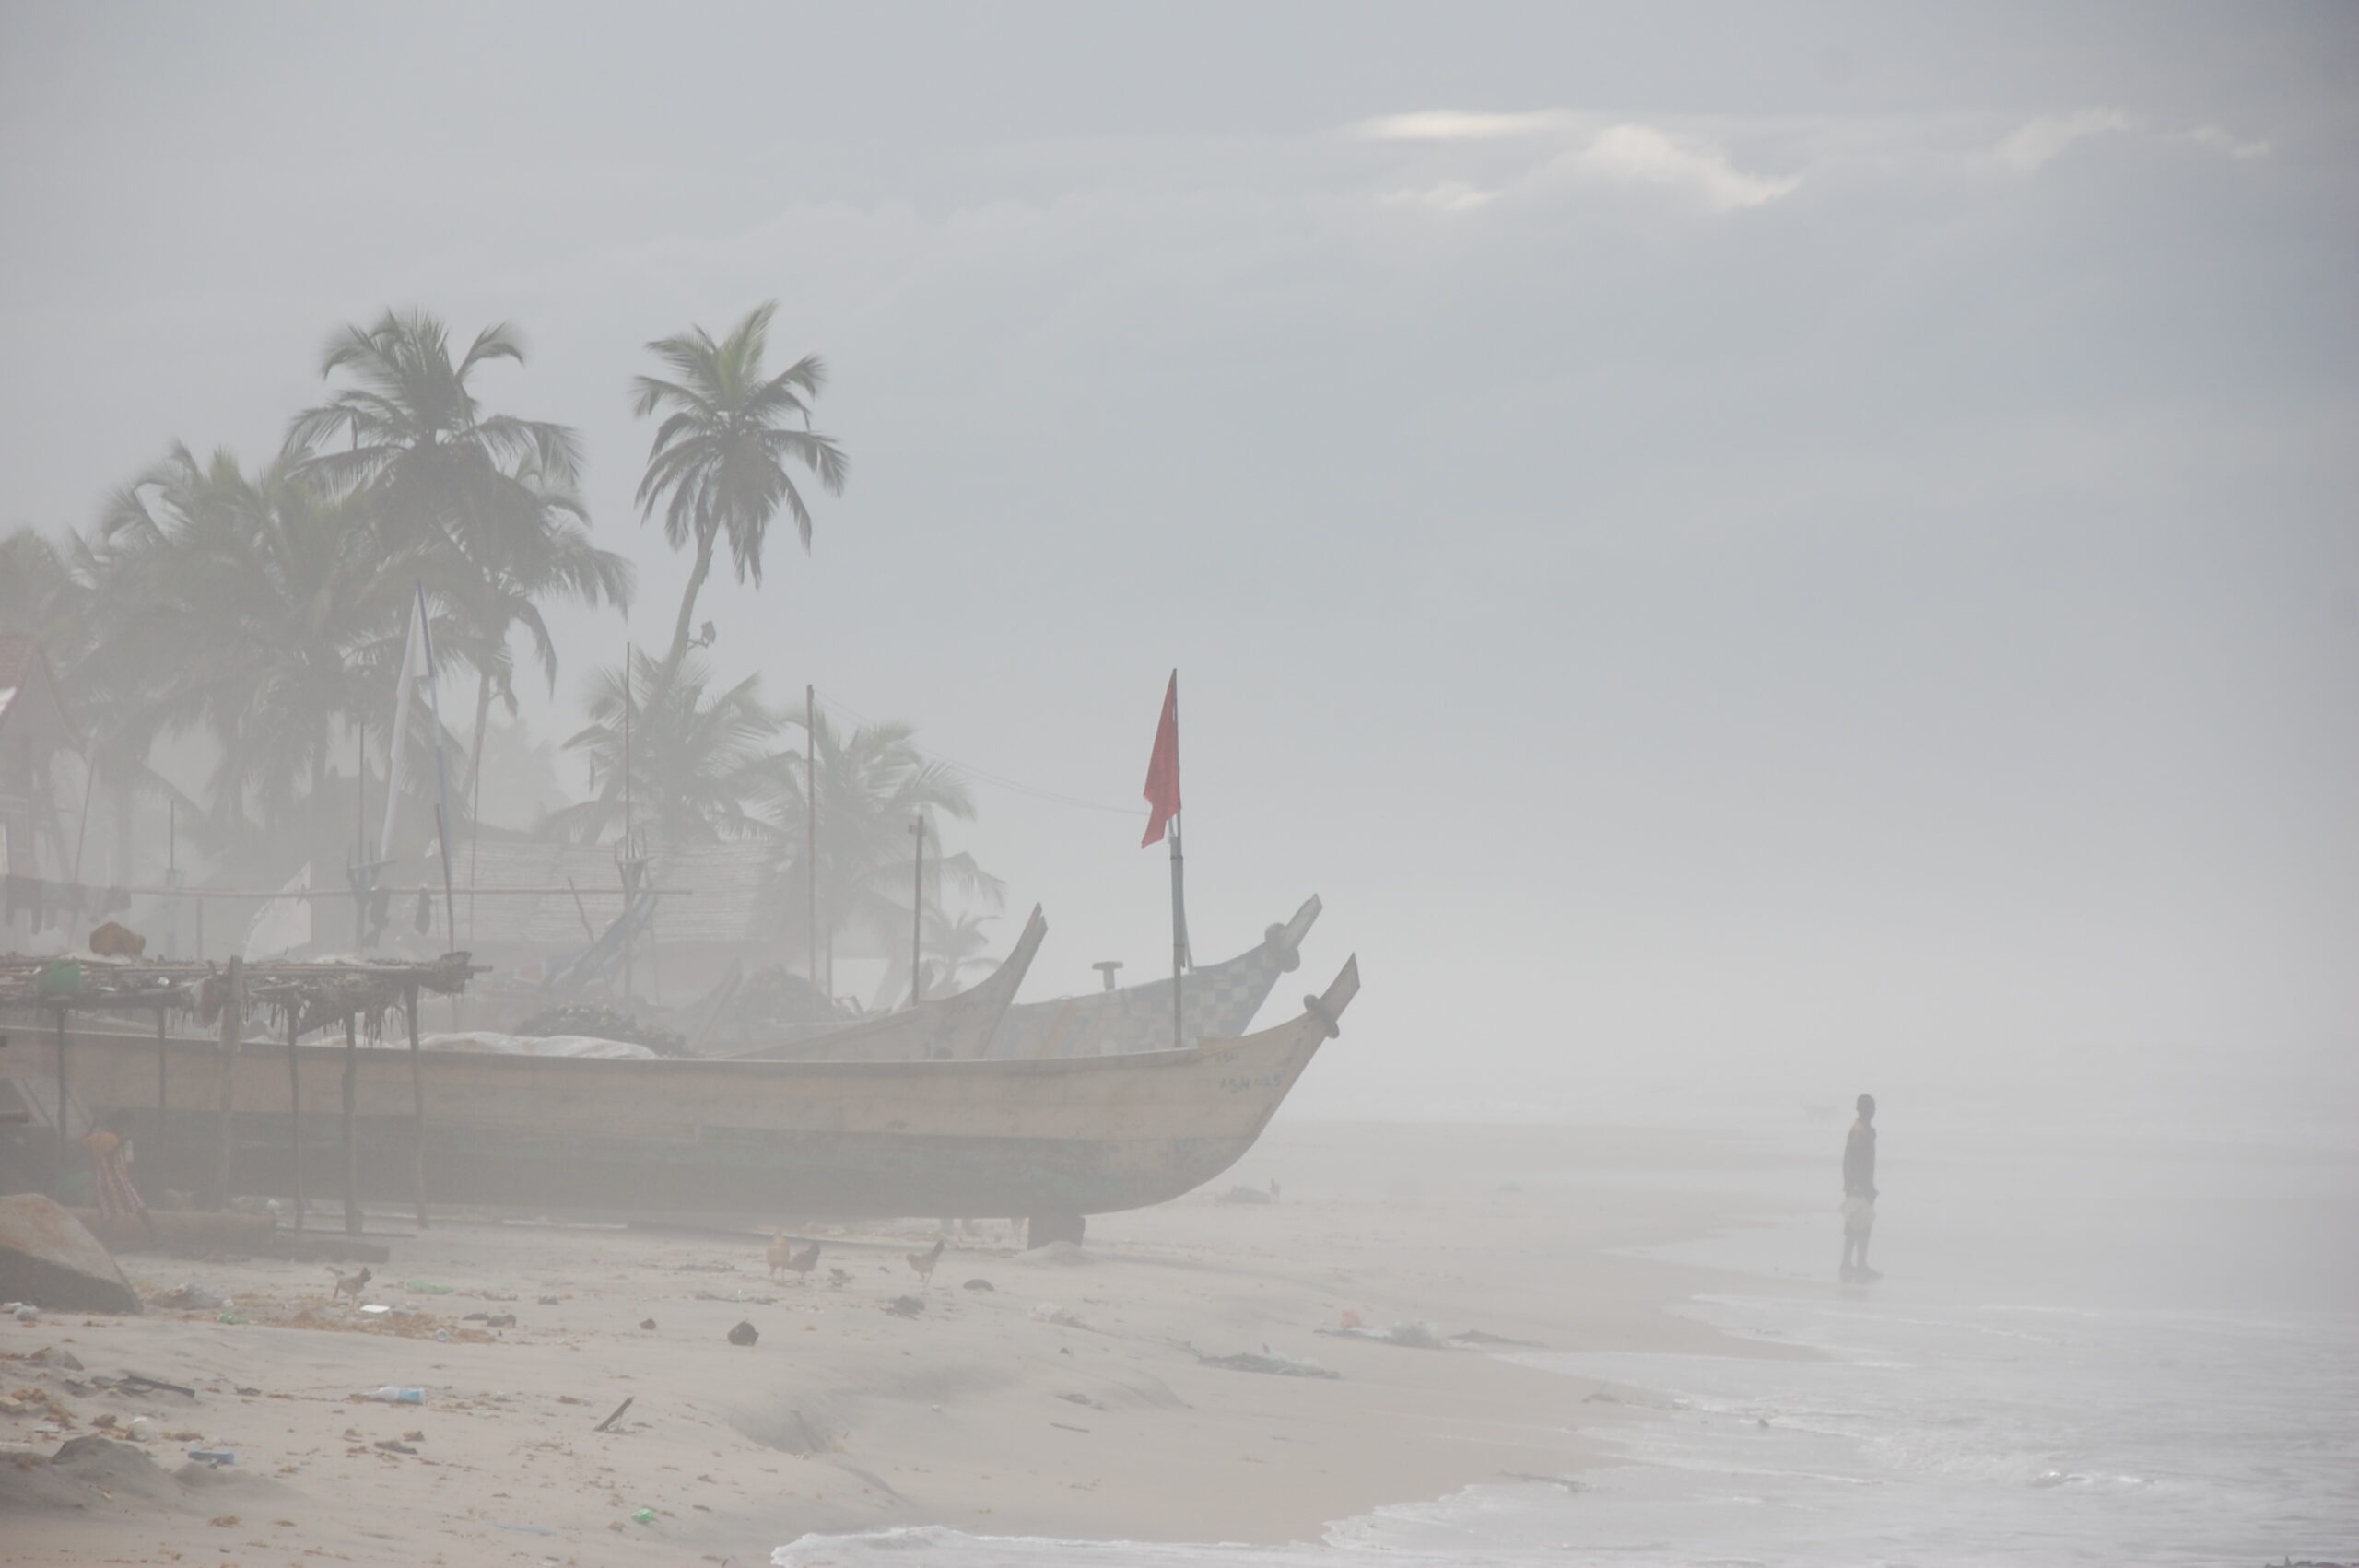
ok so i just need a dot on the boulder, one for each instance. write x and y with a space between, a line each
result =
49 1258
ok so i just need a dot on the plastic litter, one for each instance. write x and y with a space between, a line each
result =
644 1515
143 1428
420 1288
216 1457
395 1394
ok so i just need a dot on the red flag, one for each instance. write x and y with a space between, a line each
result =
1162 767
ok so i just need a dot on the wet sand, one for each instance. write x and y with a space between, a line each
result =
1069 1399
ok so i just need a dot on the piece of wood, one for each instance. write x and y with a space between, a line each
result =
418 1112
233 1025
615 1417
295 1113
57 1171
163 1106
131 1376
351 1125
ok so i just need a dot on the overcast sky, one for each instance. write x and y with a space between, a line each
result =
1797 540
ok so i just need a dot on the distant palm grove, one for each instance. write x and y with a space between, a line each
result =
227 635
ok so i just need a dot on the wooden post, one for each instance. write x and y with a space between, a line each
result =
163 1106
57 1171
351 1118
917 916
418 1107
295 1110
811 822
233 1026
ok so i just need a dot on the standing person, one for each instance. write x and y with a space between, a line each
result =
119 1208
1859 1193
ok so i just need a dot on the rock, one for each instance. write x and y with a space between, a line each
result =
49 1258
743 1334
980 1285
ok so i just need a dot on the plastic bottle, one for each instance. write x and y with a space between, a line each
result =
393 1394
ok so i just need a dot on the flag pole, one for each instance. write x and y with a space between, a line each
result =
1179 894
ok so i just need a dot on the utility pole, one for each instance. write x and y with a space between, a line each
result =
917 916
811 825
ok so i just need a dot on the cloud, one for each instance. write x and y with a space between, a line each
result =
2221 140
1460 125
1640 154
1450 195
2033 145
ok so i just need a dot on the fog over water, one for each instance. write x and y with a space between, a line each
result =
1747 554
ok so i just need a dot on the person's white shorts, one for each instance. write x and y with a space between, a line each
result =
1859 1214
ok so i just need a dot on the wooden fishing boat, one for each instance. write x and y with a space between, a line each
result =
1218 1001
1053 1139
952 1028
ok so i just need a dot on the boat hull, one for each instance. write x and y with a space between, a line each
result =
951 1028
1082 1136
1217 1002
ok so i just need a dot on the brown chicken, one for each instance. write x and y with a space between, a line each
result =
783 1256
923 1262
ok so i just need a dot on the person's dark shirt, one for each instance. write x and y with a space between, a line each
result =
1859 1161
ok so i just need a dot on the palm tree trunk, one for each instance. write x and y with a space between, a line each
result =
704 540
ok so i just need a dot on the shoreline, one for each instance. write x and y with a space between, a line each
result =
1068 1400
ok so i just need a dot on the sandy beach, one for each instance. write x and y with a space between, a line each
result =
1079 1395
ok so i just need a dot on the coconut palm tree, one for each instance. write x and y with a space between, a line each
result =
434 466
480 507
251 610
493 582
873 783
718 467
700 762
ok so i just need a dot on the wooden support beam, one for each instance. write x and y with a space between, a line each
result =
233 1025
295 1115
417 1111
351 1123
163 1106
57 1171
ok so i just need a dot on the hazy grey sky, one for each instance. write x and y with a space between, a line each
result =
1801 537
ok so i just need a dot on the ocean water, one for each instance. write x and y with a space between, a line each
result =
2097 1341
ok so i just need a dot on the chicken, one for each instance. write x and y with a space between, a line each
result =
783 1255
923 1262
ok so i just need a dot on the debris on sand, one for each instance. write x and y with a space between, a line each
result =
190 1296
979 1285
1416 1336
906 1306
1277 1363
1477 1340
743 1334
1063 1317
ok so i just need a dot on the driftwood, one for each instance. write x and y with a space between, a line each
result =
616 1416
